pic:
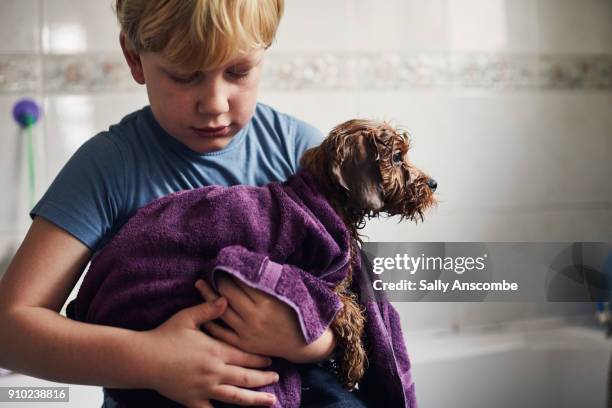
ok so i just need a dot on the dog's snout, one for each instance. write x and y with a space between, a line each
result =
433 184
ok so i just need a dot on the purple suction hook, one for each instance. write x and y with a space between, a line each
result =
26 112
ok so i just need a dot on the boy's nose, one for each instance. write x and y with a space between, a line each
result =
213 105
213 100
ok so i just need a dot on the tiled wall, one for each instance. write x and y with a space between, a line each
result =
508 103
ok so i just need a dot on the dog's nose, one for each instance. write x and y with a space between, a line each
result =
433 184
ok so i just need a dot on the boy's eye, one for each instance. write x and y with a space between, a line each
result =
186 79
238 73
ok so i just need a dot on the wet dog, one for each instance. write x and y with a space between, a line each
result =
363 169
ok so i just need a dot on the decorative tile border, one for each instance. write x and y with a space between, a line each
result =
331 71
20 73
409 71
571 73
86 73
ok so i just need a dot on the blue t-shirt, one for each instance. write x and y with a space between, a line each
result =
118 171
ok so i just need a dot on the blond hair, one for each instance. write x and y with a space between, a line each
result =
198 34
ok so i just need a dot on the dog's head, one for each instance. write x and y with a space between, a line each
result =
366 163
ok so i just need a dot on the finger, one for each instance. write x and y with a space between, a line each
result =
243 377
207 311
233 319
238 300
230 316
252 293
205 290
221 333
240 396
256 295
234 356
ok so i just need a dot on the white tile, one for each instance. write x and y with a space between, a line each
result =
74 26
493 26
323 110
19 26
399 25
360 25
522 26
575 130
542 149
575 26
73 119
489 224
315 25
9 243
478 25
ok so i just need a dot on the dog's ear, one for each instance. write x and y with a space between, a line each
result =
356 169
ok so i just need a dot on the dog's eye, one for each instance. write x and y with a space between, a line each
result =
398 158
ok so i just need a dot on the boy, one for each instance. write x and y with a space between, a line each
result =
201 63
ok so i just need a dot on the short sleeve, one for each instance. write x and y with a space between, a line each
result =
306 136
86 196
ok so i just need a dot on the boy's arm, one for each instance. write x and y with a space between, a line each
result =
37 341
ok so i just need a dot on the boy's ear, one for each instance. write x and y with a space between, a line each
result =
133 60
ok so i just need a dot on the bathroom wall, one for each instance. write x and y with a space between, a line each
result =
508 103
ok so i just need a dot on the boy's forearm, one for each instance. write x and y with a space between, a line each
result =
41 343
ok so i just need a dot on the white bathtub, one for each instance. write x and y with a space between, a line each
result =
526 364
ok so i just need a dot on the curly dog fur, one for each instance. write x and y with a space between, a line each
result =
362 168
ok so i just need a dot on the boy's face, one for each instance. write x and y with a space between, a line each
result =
201 109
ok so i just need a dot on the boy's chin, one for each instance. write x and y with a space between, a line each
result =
208 145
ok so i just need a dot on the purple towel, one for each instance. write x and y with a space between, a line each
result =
268 237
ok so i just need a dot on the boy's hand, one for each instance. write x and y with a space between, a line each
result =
261 324
189 367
